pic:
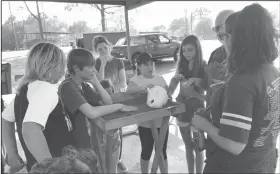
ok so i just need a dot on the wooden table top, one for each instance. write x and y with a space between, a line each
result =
144 113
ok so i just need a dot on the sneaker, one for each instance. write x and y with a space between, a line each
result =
121 167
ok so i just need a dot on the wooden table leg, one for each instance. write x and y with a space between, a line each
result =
159 142
113 150
107 147
98 144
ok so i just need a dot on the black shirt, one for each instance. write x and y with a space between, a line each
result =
73 97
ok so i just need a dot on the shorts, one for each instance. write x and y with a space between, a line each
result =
191 105
182 124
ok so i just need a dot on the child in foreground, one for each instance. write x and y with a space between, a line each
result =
82 101
192 77
145 78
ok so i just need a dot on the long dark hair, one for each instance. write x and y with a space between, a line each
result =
252 40
230 22
183 63
98 40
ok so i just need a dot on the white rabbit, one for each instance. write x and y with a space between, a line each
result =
157 97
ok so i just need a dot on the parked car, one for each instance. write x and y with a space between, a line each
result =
156 44
178 38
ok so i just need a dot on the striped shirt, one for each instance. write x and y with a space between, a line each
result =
252 98
247 109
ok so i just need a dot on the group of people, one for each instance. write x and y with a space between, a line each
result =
50 117
241 117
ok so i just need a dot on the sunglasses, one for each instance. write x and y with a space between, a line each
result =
222 36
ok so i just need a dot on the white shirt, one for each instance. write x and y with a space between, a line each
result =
42 97
142 81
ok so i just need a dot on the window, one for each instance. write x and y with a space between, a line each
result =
153 39
138 40
121 41
163 39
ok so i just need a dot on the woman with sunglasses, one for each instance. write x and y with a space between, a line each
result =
245 111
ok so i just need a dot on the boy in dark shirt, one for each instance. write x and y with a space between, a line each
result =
81 101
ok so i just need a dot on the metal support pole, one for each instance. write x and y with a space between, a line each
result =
129 129
191 23
127 32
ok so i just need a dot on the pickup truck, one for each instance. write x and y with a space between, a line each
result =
156 44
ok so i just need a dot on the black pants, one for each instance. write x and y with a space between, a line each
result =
147 142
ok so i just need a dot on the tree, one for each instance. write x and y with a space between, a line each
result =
103 9
13 27
79 27
116 22
179 26
8 39
275 18
203 28
53 24
201 12
159 28
38 18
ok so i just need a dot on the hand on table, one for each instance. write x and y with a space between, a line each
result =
126 108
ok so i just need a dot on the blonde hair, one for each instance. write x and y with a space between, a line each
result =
42 59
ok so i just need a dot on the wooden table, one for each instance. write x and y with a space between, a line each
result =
109 123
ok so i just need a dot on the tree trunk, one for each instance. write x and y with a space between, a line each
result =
102 12
13 27
40 22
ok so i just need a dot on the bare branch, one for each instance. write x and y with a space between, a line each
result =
109 12
70 6
30 11
96 6
115 6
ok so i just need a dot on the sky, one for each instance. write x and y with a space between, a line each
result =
145 17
